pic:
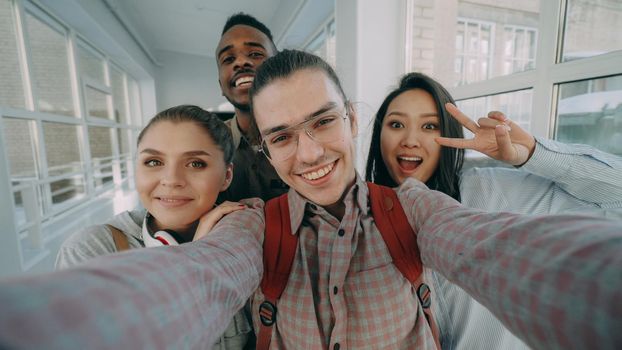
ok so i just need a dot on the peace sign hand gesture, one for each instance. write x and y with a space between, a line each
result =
495 136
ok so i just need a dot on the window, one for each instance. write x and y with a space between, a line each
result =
590 111
519 50
11 89
590 28
118 93
323 43
68 120
490 38
558 78
474 41
90 64
49 67
100 141
62 148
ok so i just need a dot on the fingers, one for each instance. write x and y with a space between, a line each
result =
461 117
454 143
496 115
504 143
492 123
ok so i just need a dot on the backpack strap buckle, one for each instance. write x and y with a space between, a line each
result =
267 313
424 294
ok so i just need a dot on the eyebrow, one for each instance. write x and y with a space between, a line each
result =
326 107
423 115
248 43
155 152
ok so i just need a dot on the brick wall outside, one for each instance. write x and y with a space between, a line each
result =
11 88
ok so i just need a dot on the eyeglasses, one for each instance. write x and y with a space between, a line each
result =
324 128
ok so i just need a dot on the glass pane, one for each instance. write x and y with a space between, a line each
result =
67 189
20 213
134 96
590 28
516 105
90 65
124 141
118 96
100 141
11 89
27 202
102 176
123 167
96 102
49 67
331 45
590 112
62 148
489 39
316 46
20 150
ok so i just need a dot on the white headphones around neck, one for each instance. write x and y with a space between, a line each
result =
159 238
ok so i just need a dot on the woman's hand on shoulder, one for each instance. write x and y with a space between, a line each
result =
211 218
495 136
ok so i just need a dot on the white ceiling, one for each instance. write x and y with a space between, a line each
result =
194 26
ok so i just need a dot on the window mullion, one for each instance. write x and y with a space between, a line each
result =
547 47
24 55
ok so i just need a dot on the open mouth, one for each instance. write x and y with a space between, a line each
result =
318 174
409 163
245 81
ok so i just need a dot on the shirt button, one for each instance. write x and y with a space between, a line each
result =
341 232
335 290
337 346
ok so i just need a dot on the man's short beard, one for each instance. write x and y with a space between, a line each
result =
242 107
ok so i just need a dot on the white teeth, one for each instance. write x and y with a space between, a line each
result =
319 173
171 200
410 159
244 80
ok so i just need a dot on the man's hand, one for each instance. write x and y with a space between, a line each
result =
495 136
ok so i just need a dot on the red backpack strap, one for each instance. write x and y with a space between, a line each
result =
279 250
401 241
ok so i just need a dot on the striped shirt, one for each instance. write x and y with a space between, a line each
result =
558 178
555 281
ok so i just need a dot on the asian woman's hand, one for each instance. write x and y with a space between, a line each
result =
495 136
209 220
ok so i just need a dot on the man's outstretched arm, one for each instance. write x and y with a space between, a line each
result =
554 281
168 297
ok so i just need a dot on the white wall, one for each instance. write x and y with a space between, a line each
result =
370 54
187 79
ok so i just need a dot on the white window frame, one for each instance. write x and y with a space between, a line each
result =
319 39
491 50
40 219
548 73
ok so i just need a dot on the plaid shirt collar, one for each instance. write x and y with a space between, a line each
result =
298 204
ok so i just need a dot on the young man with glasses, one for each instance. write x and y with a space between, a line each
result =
553 280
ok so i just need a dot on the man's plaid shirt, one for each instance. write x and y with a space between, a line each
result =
553 280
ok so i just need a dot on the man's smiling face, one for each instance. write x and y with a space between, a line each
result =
240 51
319 171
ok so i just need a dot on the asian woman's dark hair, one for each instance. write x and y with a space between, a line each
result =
211 124
446 178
